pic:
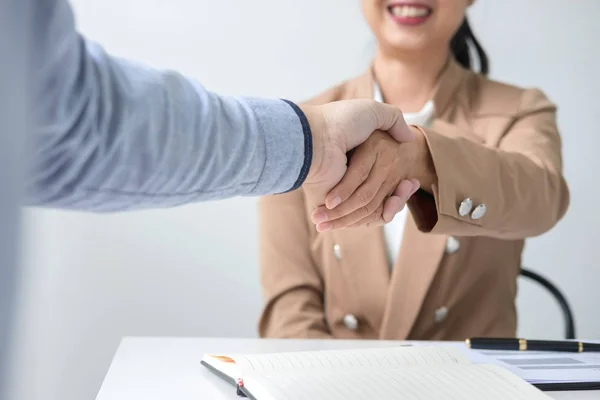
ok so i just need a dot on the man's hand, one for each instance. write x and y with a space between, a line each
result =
339 127
379 168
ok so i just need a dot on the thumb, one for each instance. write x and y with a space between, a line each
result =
351 122
390 119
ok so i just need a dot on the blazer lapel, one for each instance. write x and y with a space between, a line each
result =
365 270
418 261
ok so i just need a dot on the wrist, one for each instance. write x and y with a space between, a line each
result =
424 168
316 123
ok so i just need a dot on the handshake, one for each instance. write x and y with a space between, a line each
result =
389 163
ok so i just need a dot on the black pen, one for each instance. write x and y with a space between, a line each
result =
532 345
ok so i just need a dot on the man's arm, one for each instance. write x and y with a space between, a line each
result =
110 134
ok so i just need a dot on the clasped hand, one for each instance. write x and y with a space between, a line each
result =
377 185
373 184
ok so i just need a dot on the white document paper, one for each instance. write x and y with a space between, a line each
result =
543 367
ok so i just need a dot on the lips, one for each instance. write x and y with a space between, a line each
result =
405 13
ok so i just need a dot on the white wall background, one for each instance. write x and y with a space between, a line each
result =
89 280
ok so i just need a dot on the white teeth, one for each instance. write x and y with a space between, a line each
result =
409 11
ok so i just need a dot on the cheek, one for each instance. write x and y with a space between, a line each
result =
373 14
450 15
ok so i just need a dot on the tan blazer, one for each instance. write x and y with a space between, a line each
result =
455 276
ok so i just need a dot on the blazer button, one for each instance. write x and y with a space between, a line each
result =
465 207
337 251
479 211
440 314
452 245
351 322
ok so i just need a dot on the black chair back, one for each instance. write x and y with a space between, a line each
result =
560 298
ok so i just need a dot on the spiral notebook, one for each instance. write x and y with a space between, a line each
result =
441 373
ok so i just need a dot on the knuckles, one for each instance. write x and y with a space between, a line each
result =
371 210
362 171
375 219
365 196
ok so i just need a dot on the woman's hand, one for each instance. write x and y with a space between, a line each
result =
382 175
337 128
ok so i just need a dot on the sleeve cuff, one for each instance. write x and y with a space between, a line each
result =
460 177
308 150
288 145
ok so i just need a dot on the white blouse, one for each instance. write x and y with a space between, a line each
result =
394 230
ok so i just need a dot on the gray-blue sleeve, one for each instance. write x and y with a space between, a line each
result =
111 134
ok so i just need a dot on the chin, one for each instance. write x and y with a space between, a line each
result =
403 46
404 39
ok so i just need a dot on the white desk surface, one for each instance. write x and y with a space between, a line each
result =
169 368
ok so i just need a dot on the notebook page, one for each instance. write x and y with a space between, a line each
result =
378 358
459 382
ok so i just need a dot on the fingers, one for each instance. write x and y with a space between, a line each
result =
391 207
358 171
396 202
374 208
399 198
362 203
378 211
372 220
390 119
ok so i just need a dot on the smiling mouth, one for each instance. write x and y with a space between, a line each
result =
405 13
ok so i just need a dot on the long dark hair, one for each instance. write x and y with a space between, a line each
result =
460 45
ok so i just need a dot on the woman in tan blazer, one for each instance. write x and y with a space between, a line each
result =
446 267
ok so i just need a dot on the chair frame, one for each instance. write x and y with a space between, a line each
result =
560 298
